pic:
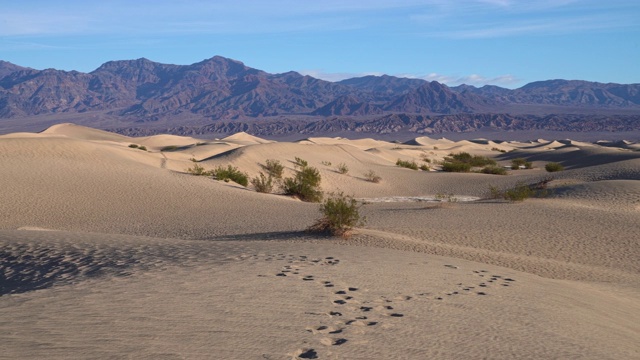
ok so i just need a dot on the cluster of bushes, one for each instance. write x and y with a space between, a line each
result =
407 164
139 147
305 185
230 173
463 162
267 183
520 162
521 191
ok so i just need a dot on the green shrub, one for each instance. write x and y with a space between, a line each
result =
424 167
304 185
143 148
407 164
273 168
496 149
553 167
300 163
520 192
198 170
528 165
425 158
326 163
516 163
494 170
230 173
133 146
455 167
263 184
372 177
169 148
342 168
340 214
472 160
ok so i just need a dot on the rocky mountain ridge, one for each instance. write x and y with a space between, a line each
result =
217 89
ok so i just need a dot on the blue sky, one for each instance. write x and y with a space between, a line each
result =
502 42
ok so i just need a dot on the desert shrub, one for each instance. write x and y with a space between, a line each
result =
494 170
522 191
472 160
143 148
197 169
407 164
230 173
425 158
263 183
528 165
424 167
326 163
169 148
516 163
455 167
340 214
300 162
304 185
133 146
496 149
342 168
372 177
273 168
553 167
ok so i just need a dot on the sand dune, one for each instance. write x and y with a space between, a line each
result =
108 251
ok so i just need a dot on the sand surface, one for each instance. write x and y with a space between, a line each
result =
107 251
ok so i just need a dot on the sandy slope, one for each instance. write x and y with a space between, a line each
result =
147 261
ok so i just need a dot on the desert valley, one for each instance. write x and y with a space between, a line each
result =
111 248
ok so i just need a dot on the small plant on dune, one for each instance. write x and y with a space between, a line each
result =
230 173
425 158
340 214
407 164
273 168
473 160
139 147
455 167
326 163
300 162
520 163
499 150
197 169
305 185
520 192
263 183
553 167
425 167
342 168
170 148
494 170
371 176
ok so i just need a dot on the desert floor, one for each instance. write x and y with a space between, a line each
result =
109 251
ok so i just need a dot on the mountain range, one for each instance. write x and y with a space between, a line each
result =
145 94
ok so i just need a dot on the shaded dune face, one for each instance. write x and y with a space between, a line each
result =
112 250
